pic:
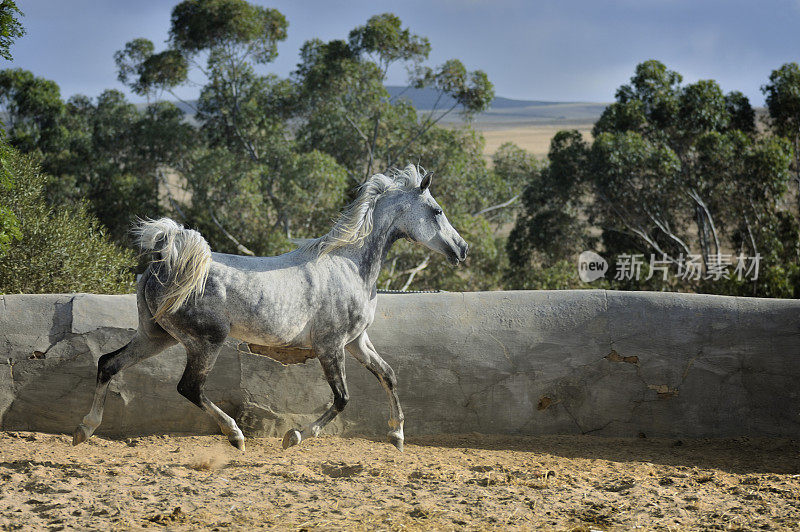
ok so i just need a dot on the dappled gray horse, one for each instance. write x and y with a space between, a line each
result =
320 296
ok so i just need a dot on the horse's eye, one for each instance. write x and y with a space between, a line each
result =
437 212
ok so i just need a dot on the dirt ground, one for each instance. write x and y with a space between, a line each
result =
444 482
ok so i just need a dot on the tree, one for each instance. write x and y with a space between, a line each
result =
278 158
673 171
33 110
9 224
10 27
549 228
783 101
348 112
105 151
56 250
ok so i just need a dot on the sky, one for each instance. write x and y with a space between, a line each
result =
550 50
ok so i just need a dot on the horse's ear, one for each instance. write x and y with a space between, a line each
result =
426 182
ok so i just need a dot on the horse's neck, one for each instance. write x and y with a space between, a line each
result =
370 255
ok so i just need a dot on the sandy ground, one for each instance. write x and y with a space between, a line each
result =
448 482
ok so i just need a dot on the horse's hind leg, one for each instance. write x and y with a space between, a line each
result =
141 347
363 350
332 362
200 359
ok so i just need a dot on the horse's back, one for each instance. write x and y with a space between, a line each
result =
260 264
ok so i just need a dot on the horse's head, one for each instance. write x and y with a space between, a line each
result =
422 220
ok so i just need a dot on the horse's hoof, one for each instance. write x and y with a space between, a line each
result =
238 443
291 438
81 435
396 440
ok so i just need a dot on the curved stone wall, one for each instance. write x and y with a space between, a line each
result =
538 362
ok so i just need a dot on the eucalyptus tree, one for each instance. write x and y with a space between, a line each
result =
245 153
103 150
10 27
346 111
674 171
278 157
783 102
32 108
342 85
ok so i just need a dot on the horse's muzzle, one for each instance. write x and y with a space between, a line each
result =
458 252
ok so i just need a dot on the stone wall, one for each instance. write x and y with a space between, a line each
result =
543 362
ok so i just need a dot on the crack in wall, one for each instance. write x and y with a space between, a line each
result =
663 391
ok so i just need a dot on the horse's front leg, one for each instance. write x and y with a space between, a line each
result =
332 361
363 350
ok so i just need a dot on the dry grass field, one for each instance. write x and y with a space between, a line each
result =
453 482
533 138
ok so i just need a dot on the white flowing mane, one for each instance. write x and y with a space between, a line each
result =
355 222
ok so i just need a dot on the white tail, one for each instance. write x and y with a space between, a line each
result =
185 255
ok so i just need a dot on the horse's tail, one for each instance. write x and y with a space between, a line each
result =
184 256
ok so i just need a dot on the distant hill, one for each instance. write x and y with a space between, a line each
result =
507 112
424 99
503 113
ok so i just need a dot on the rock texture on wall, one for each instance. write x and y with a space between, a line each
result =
542 362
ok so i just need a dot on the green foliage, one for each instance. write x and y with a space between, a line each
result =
33 108
130 64
106 151
783 99
346 110
549 229
199 25
271 160
673 171
383 37
471 90
9 224
10 27
742 115
56 250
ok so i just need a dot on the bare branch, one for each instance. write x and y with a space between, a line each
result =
414 271
427 125
639 231
367 143
696 197
390 276
358 129
498 206
664 226
232 238
750 233
184 102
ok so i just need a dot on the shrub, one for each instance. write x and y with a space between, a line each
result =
55 250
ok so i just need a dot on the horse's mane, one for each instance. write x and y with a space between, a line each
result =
355 222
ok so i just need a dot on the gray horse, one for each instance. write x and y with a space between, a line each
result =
320 297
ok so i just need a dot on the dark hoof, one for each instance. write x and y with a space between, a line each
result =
396 441
291 439
238 443
81 435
